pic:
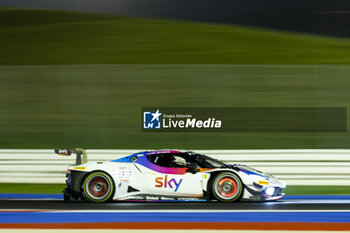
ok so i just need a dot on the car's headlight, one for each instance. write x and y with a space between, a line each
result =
270 190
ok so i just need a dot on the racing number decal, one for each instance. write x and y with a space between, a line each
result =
125 174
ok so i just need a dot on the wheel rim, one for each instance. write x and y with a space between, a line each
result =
227 187
98 187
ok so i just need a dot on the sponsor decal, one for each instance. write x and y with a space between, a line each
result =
188 198
152 198
263 182
167 182
63 152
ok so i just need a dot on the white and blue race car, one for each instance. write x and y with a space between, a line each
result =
166 175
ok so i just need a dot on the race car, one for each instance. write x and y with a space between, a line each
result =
166 175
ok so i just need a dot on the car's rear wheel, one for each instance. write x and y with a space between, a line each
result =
98 187
226 187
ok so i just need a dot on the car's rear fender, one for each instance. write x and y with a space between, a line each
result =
76 178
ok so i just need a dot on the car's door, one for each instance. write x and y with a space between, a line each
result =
173 179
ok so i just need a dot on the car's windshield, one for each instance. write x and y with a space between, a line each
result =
207 162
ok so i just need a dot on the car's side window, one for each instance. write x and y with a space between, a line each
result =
179 161
153 158
168 160
162 160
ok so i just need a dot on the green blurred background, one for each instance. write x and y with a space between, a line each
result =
79 80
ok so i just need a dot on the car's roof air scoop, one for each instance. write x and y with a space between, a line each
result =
79 153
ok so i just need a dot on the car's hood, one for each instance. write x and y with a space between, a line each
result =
250 170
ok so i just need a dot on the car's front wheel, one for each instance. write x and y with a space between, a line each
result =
98 187
226 187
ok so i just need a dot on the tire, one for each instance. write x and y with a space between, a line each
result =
98 187
66 197
226 187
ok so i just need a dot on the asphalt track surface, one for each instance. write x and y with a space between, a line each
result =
302 213
340 205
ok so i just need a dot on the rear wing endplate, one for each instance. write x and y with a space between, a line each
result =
81 156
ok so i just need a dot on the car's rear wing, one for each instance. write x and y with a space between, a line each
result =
78 151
